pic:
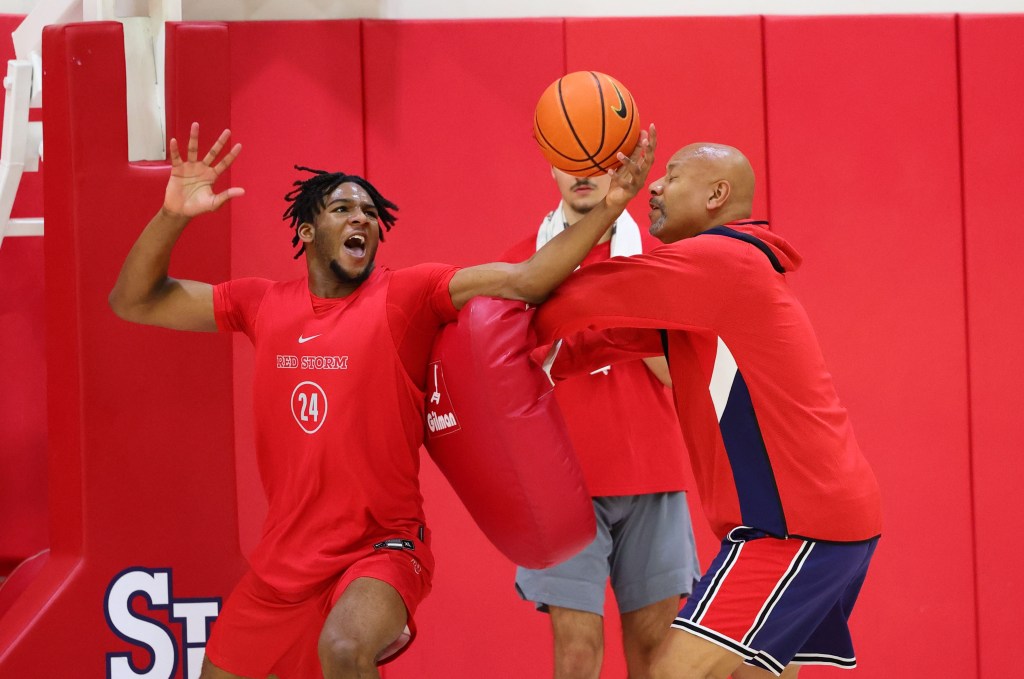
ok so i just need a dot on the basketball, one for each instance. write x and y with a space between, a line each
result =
583 120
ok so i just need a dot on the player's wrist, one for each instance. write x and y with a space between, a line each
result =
172 215
615 206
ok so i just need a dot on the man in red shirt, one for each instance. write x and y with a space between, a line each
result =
340 371
780 475
622 425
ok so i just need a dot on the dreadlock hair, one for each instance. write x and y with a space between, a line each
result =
307 200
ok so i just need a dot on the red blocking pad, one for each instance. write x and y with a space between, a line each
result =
992 101
494 430
863 149
284 113
141 477
449 132
711 89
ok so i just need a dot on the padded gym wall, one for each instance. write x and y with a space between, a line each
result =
864 157
139 457
681 94
449 111
23 513
992 108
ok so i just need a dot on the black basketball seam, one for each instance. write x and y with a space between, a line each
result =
551 147
568 120
632 121
600 95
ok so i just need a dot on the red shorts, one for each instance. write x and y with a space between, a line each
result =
262 631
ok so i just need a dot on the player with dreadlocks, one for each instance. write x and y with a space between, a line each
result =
344 558
308 199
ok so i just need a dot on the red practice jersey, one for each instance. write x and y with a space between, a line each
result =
338 411
770 443
620 419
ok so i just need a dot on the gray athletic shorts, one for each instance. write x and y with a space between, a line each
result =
644 544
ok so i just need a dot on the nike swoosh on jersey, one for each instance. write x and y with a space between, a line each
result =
303 340
621 110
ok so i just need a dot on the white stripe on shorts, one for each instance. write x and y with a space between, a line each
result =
780 588
716 583
824 659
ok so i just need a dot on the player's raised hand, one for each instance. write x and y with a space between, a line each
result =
631 176
190 188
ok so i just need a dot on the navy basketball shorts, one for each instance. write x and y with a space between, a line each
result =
774 601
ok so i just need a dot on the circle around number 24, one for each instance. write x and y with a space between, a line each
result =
309 406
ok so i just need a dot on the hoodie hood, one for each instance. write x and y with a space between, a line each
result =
756 233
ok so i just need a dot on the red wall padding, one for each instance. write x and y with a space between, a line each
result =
711 89
992 101
141 471
449 132
863 149
23 497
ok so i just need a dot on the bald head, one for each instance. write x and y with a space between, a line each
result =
705 185
721 163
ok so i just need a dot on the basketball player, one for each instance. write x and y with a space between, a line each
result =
781 477
344 558
623 429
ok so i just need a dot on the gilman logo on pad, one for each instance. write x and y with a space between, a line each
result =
441 418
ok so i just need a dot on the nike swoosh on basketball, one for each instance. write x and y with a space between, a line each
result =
303 340
621 110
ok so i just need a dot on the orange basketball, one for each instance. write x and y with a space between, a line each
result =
582 120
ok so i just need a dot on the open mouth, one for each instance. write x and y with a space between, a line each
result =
355 245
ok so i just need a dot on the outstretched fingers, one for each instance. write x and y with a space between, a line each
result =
175 153
652 138
192 151
643 153
226 161
193 143
635 166
217 147
224 196
190 187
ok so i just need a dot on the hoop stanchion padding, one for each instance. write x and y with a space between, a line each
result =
144 531
495 432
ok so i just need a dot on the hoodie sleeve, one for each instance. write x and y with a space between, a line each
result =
590 350
682 286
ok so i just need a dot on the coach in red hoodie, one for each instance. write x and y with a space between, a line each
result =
780 474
